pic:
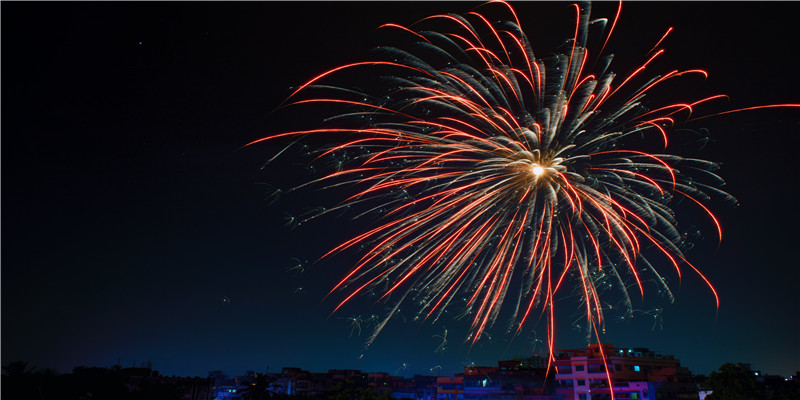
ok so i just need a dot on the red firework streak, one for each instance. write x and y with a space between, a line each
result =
502 177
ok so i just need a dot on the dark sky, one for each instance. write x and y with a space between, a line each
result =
128 215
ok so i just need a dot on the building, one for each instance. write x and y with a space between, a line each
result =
298 382
633 373
424 387
224 387
517 379
450 387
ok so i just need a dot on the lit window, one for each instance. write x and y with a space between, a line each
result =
636 368
635 395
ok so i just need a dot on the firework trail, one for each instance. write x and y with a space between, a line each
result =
355 325
504 178
443 344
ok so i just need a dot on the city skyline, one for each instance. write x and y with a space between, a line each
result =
135 228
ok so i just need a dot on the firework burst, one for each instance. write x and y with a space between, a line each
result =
503 178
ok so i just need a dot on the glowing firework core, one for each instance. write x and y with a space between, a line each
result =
537 170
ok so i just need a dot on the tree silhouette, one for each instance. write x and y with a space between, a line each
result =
349 390
17 369
734 382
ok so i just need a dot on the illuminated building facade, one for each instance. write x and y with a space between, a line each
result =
635 373
518 379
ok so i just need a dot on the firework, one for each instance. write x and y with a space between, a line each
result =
503 178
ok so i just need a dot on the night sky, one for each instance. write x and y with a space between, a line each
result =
133 228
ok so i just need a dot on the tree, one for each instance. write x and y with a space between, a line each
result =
17 369
349 390
734 382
